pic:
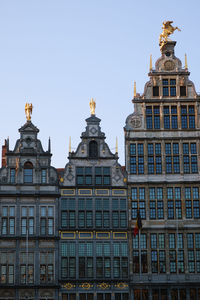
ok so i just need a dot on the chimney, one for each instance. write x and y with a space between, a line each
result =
3 160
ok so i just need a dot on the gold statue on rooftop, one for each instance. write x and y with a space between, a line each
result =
28 111
168 29
92 106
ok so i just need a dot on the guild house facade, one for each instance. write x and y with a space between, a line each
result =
94 230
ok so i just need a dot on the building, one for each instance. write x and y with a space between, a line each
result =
163 165
93 258
29 221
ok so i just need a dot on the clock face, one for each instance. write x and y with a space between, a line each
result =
169 65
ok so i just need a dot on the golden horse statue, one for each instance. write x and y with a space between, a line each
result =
28 111
168 29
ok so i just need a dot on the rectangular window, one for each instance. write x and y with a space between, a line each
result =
44 176
156 110
83 175
8 220
149 118
174 118
166 117
140 149
26 267
150 159
182 91
7 267
169 87
155 91
28 175
46 220
46 267
85 260
68 260
184 117
12 175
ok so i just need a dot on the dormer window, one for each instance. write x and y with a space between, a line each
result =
28 172
169 87
183 91
93 149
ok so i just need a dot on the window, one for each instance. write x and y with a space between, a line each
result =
120 260
28 172
138 201
119 216
150 159
140 149
46 267
149 117
166 117
155 91
156 203
182 91
156 110
85 252
102 176
12 175
8 220
172 158
93 149
188 117
68 217
169 87
84 175
46 220
102 217
174 118
44 176
68 260
103 260
27 219
7 267
172 253
85 213
133 169
26 267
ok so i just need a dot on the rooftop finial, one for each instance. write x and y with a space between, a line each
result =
28 111
150 67
70 148
116 147
92 106
134 92
49 145
167 30
186 64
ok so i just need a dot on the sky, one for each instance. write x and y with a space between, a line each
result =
57 54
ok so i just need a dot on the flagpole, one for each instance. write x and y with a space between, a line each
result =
140 256
27 256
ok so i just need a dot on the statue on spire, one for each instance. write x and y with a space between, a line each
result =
168 29
92 106
28 111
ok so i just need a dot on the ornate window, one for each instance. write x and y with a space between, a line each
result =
93 149
28 172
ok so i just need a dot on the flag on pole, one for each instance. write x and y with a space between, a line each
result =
138 224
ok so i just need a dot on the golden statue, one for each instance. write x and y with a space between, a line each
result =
28 111
92 106
167 30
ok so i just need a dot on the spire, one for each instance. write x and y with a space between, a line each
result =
116 147
134 93
70 148
186 65
150 67
49 146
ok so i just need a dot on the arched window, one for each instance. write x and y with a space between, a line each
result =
93 149
28 172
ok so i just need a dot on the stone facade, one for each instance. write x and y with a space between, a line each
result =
29 220
162 162
68 233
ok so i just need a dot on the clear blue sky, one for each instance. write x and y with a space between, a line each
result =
58 54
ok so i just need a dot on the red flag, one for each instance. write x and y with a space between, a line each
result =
138 224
